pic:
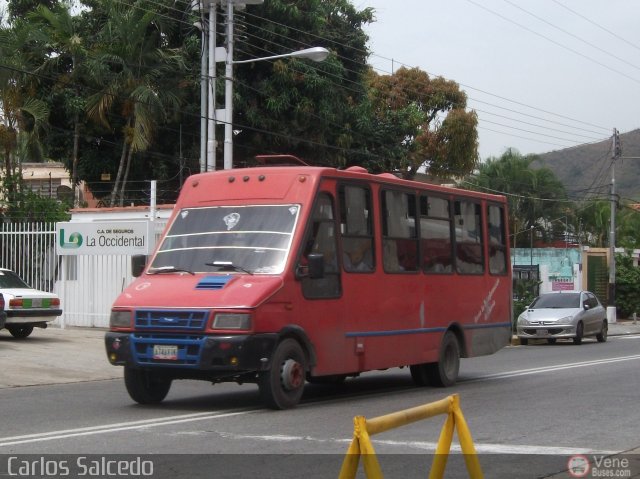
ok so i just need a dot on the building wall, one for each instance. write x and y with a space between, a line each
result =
560 268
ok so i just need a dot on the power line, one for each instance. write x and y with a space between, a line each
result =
597 25
592 45
553 41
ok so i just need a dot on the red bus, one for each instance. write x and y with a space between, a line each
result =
281 275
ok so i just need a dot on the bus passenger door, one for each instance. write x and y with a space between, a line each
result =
320 311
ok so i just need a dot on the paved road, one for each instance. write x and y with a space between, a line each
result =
76 355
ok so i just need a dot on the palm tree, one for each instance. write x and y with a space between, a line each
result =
535 196
24 117
131 69
58 30
595 223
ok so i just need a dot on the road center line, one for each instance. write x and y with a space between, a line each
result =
526 372
124 426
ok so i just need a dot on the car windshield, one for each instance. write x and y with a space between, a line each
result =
564 300
8 279
255 239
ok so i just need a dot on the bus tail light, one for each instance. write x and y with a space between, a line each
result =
232 321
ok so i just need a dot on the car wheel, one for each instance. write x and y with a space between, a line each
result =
551 340
20 332
282 385
524 341
444 373
602 335
577 339
145 387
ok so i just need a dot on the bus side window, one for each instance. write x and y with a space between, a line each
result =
468 225
399 232
321 238
497 240
356 229
435 235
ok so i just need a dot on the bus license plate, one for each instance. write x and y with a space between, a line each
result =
163 351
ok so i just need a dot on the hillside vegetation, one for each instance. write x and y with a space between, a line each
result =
586 170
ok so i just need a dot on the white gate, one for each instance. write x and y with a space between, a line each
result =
29 250
90 283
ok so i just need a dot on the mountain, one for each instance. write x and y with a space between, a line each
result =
586 170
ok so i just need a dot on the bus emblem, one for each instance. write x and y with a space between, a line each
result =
231 220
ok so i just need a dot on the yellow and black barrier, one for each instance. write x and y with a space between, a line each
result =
361 445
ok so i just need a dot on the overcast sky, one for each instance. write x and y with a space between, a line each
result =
541 74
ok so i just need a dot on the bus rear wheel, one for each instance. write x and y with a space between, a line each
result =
281 387
444 373
145 387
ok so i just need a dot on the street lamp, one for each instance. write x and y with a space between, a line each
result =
317 54
215 54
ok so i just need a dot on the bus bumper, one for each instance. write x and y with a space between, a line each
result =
224 354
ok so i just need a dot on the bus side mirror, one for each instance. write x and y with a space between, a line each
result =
138 262
316 265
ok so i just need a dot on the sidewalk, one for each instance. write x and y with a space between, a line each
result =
54 355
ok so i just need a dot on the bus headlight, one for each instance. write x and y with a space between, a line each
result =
232 321
120 319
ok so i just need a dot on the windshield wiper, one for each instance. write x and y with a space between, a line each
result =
168 269
228 266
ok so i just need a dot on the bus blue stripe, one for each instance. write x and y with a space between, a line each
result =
489 325
397 332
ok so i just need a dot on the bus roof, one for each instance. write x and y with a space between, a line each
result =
283 175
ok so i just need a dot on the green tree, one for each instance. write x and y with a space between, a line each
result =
298 106
594 221
627 227
414 121
132 72
18 9
58 30
24 115
627 285
27 206
536 198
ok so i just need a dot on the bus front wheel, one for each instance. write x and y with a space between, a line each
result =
282 385
444 373
145 387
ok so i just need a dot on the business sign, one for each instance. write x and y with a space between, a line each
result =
99 238
562 286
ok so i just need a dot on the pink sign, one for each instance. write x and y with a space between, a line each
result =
561 286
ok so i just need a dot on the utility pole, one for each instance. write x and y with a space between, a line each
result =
611 303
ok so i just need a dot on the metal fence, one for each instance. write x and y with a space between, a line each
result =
29 249
89 285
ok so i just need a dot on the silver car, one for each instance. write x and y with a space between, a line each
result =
563 314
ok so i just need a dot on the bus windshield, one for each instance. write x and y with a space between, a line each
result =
253 239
